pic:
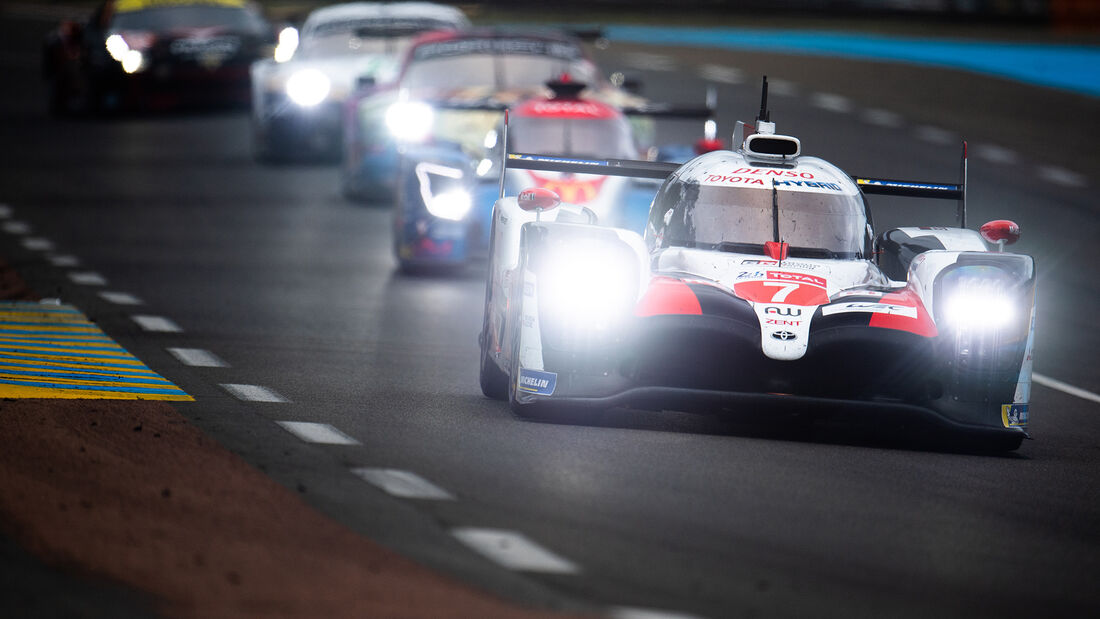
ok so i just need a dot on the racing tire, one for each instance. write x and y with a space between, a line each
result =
494 382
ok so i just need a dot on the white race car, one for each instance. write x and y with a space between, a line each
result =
297 96
759 286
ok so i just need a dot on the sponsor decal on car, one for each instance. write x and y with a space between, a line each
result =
495 46
809 266
1014 415
782 287
872 307
537 382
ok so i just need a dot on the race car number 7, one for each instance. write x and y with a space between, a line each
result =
784 290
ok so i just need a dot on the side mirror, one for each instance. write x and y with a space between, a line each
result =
537 199
1000 232
364 82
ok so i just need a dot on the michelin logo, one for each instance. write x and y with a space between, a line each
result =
536 382
1014 415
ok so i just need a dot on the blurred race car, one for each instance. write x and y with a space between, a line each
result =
450 89
155 54
445 198
297 96
759 281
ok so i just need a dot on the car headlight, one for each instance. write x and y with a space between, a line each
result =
442 190
588 284
410 121
287 45
977 297
308 87
133 61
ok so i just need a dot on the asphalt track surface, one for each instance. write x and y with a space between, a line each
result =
295 290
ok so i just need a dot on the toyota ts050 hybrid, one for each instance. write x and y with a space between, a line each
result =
155 54
758 281
297 96
445 193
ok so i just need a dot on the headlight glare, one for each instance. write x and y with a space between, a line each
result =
588 284
410 121
308 87
452 204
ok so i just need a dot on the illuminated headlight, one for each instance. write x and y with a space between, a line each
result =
308 87
977 297
978 309
588 285
453 204
288 44
117 47
442 191
133 61
410 121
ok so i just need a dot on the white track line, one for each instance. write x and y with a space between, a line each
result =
1061 176
253 393
833 103
513 551
320 433
38 244
197 357
627 612
882 118
157 324
1058 385
64 261
935 135
996 154
88 278
120 298
650 62
721 74
16 227
404 484
782 88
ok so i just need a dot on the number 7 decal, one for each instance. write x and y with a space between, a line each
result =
785 289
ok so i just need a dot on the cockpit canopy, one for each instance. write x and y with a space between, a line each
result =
720 202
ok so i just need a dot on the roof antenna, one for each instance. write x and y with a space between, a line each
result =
764 122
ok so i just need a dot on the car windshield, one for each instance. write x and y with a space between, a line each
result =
815 224
497 63
600 138
366 36
164 18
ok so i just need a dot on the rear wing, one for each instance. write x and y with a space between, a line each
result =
661 170
913 189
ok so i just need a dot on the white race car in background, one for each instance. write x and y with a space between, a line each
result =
297 96
759 286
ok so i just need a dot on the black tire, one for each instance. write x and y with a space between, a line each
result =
494 382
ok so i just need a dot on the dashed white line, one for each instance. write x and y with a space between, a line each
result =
833 103
721 74
935 135
651 62
17 227
253 393
320 433
782 88
882 118
627 612
88 278
120 298
996 154
513 551
1061 176
35 243
158 324
197 357
64 261
404 484
1058 385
